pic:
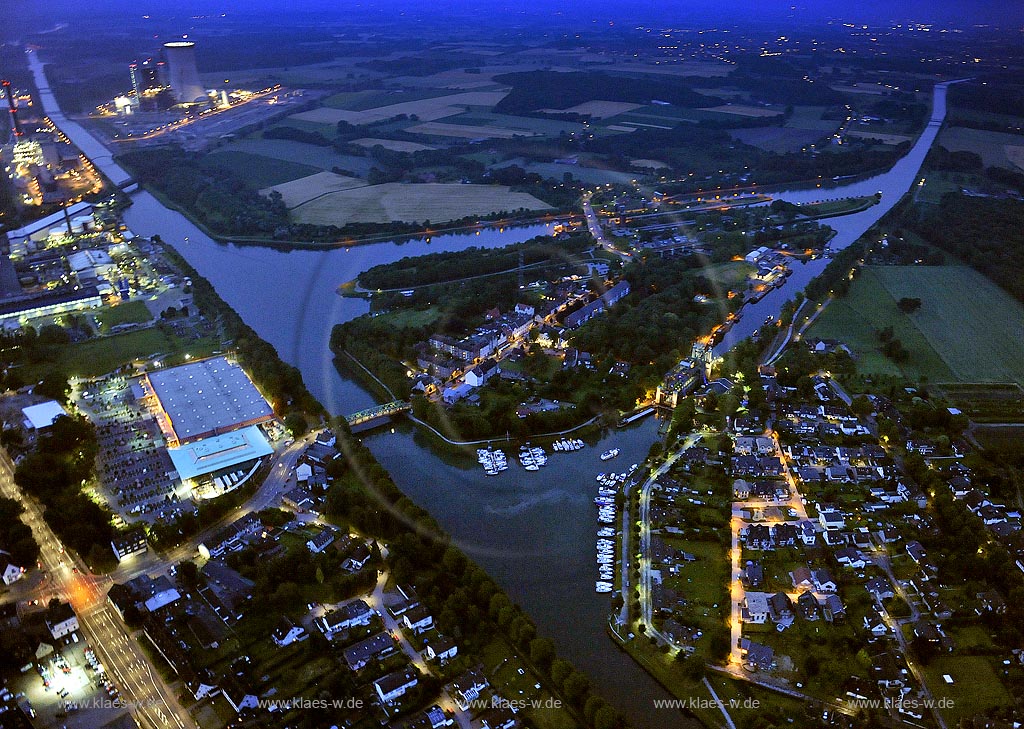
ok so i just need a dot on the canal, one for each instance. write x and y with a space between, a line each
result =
534 532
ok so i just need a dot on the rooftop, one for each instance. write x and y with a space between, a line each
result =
44 414
220 451
204 397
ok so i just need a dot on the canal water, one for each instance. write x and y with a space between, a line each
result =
534 532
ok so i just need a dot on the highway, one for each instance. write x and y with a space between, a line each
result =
150 700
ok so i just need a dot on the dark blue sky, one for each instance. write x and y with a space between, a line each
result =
961 12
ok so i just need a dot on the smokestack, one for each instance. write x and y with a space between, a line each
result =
15 124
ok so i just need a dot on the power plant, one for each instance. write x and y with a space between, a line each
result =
13 107
182 75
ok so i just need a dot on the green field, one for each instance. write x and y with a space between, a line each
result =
975 688
967 329
260 171
106 354
131 312
363 100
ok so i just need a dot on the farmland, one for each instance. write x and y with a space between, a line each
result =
995 148
259 170
967 329
426 109
303 190
412 203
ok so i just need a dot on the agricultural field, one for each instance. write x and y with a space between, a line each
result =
967 329
392 144
372 99
435 202
466 131
744 110
778 139
810 117
987 403
996 149
259 170
311 155
427 109
880 136
305 189
597 108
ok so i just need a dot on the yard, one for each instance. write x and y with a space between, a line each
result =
967 329
975 686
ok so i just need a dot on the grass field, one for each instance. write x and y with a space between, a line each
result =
778 139
259 170
967 329
991 146
105 354
436 202
130 312
320 158
303 190
975 686
598 109
372 99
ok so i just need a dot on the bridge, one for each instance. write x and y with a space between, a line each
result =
378 411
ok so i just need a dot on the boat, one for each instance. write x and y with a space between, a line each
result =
603 586
610 454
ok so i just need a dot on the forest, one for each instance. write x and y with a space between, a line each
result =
533 90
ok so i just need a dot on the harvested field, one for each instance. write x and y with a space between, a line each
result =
436 202
426 109
597 109
744 110
392 144
303 190
466 131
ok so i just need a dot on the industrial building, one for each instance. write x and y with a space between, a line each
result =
203 399
182 74
209 412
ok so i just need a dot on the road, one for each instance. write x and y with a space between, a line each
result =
594 226
150 700
376 601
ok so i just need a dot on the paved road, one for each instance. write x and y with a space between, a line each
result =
151 701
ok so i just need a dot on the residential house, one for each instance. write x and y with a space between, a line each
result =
320 542
377 646
755 607
758 536
499 717
784 535
467 688
347 616
807 606
880 588
833 609
823 581
287 632
780 608
12 573
875 625
61 620
916 551
479 375
991 602
441 649
831 520
758 656
851 557
802 578
231 537
753 575
394 685
807 534
418 619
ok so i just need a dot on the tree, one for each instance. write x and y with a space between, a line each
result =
861 405
188 574
908 305
54 386
542 652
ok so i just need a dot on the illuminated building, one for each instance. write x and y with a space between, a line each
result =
146 76
183 77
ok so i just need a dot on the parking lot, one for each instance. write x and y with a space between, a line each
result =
134 466
68 688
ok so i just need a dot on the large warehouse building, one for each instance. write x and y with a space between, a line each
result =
209 412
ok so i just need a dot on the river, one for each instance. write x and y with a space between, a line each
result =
534 533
